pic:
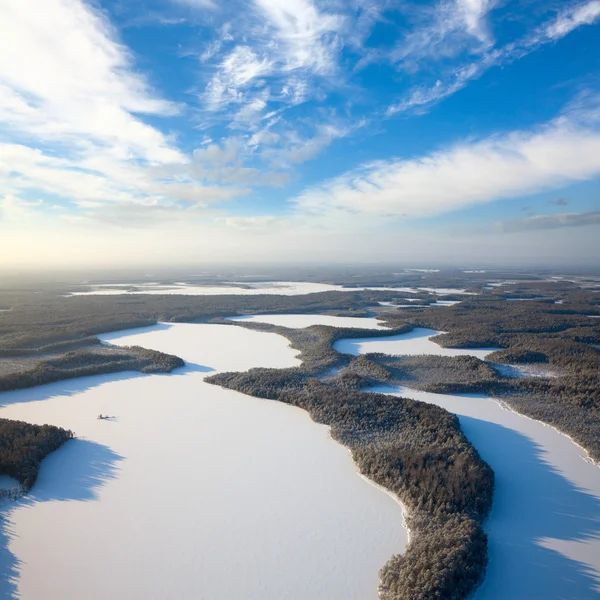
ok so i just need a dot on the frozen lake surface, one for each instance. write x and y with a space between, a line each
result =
415 342
284 288
301 321
192 491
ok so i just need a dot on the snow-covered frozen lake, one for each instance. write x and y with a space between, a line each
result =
415 342
301 321
192 491
284 288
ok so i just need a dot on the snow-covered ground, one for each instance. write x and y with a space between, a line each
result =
192 491
301 321
415 342
284 288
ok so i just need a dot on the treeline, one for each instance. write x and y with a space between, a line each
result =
23 447
45 322
315 343
96 361
418 452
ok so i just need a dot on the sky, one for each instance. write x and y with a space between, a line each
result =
161 132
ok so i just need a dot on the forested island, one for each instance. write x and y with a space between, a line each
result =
415 450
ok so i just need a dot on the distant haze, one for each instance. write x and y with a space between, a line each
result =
155 248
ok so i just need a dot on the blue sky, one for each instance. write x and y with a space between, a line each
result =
150 131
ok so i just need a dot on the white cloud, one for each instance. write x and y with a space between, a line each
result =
271 57
197 3
586 13
63 75
215 155
425 96
568 20
464 175
307 37
226 163
235 73
448 28
99 184
474 13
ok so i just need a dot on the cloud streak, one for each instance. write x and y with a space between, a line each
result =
448 29
571 18
464 175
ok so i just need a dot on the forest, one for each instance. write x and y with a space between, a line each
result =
22 449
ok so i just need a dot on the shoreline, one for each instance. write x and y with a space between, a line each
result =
585 455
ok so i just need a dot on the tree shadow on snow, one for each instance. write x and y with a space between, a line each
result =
533 502
77 385
73 473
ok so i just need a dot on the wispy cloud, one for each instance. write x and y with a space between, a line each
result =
466 174
83 128
307 37
446 30
299 149
571 18
65 76
278 45
235 74
541 222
